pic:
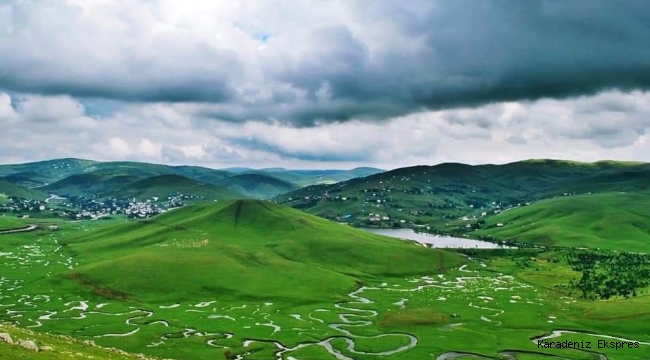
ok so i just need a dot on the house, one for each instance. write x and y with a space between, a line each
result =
499 224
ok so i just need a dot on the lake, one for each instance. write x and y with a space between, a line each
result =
436 241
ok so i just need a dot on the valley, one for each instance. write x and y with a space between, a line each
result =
253 279
467 309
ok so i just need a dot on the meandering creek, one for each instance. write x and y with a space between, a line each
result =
338 329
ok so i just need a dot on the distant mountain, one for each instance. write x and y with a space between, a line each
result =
314 177
203 174
86 177
258 185
433 195
103 185
48 171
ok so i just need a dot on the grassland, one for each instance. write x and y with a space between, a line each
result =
615 221
271 282
59 347
259 244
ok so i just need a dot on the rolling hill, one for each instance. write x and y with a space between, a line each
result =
89 184
162 185
257 185
49 170
309 177
434 195
242 250
618 221
42 173
103 184
10 189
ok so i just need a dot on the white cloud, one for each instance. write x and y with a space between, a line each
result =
610 125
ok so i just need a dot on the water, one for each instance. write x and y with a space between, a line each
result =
436 240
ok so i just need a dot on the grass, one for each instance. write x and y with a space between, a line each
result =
615 221
258 185
10 189
266 265
10 222
56 347
264 248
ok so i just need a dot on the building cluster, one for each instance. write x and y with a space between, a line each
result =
87 208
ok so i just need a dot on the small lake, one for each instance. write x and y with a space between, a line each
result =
436 241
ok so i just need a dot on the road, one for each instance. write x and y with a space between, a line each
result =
29 228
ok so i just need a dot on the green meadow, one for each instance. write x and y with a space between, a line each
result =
254 280
612 221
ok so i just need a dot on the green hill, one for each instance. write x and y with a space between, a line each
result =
10 189
202 174
130 183
315 177
95 184
162 185
49 170
243 250
309 177
52 347
618 221
27 179
85 177
436 195
259 186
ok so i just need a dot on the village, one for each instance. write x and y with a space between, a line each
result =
85 208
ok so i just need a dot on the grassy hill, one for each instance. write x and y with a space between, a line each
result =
315 177
261 186
10 189
162 185
52 347
50 170
47 172
90 184
243 250
27 179
131 183
434 195
618 221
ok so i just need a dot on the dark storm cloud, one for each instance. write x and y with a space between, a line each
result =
384 59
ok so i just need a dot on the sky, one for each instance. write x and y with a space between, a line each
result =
324 83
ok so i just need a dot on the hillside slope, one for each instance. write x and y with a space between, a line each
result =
619 221
93 184
259 186
433 194
162 185
52 347
10 189
243 250
49 170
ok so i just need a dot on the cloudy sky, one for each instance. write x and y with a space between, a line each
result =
324 83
